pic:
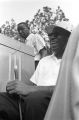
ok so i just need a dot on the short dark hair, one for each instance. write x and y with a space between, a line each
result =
21 27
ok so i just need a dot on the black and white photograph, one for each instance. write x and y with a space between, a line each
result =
39 60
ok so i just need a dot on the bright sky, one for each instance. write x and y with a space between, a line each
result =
22 10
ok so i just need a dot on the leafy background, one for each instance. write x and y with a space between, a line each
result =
40 21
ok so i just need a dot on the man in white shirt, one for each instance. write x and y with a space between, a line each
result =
36 41
45 75
35 98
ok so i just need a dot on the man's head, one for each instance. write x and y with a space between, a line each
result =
58 39
23 30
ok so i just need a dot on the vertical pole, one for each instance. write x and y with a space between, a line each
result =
20 110
9 77
19 67
17 76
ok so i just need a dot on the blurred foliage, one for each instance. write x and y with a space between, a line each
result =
47 17
38 24
9 28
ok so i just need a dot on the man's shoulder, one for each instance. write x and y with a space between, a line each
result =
45 58
30 39
31 35
48 58
38 36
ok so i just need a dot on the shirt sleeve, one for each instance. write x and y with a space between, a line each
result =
29 40
40 43
35 41
36 74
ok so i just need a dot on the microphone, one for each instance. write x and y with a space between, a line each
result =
16 72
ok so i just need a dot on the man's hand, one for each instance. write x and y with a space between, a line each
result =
18 87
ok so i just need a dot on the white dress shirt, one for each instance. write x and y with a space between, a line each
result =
37 42
47 71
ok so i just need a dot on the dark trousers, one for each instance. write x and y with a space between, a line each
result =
33 106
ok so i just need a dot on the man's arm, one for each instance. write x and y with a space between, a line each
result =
42 88
21 88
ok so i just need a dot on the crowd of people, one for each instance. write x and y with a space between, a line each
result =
53 92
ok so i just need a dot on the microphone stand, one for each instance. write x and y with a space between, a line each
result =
19 97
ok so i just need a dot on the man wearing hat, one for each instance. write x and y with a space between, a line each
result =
35 98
